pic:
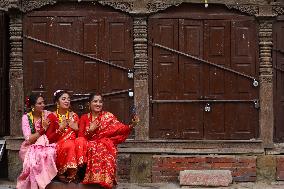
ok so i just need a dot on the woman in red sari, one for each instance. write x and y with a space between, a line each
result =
99 134
62 130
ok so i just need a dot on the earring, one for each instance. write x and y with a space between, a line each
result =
57 106
33 109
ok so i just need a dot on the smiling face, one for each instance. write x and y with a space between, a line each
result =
96 104
64 101
39 105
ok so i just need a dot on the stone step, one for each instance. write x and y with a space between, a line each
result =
61 185
205 178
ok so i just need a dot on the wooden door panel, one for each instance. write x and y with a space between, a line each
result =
191 121
92 46
190 79
37 57
216 50
214 122
165 121
243 121
165 63
216 81
118 50
69 66
243 58
190 71
120 106
279 81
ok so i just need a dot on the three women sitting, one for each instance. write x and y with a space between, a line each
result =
98 133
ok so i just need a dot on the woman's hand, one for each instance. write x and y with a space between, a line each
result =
72 123
93 126
45 123
135 120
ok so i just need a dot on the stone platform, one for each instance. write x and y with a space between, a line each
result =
60 185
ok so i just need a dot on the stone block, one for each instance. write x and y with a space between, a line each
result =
141 167
205 178
266 168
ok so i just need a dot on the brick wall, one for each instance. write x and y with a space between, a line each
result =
167 168
280 167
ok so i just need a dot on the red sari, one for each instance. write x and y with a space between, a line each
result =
98 149
65 151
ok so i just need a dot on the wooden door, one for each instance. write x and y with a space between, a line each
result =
4 74
191 78
91 30
165 79
278 62
226 42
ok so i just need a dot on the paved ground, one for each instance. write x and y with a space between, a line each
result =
259 185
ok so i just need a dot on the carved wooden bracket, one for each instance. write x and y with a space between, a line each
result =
123 6
248 9
160 5
277 10
29 5
5 4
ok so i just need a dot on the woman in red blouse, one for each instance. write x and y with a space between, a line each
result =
62 130
99 134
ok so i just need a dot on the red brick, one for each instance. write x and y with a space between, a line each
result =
280 168
221 159
222 165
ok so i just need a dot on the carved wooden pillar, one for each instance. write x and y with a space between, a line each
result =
266 85
141 77
16 74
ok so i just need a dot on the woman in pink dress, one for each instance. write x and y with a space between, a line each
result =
38 156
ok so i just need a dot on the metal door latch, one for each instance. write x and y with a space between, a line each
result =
255 83
130 74
256 104
207 108
130 93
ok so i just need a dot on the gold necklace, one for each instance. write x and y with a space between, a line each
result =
60 117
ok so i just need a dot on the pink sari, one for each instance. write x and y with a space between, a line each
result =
39 166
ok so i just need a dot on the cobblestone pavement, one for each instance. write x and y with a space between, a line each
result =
259 185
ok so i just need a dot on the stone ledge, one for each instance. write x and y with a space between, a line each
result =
60 185
205 178
174 147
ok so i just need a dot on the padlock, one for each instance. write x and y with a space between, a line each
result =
207 108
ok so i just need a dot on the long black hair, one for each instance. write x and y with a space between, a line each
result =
31 100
